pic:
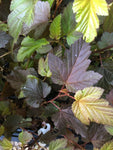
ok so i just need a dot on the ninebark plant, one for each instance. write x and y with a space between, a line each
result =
46 74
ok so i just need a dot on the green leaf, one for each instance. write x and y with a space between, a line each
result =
86 16
22 12
6 144
43 68
2 129
3 26
59 144
106 40
88 107
109 129
68 20
35 91
25 137
55 28
73 36
41 16
108 22
107 146
51 2
30 45
4 108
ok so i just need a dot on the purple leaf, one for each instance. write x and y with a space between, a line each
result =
72 71
65 118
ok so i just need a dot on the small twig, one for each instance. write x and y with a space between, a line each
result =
103 49
5 54
58 2
56 106
101 61
76 144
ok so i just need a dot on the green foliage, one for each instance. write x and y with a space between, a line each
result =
58 144
89 100
2 130
25 137
55 28
86 17
50 2
22 12
109 129
107 146
29 46
68 20
108 23
6 144
3 26
68 25
43 68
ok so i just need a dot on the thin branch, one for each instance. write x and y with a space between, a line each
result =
5 54
103 49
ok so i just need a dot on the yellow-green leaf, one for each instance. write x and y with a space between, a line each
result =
6 144
43 68
88 107
107 146
86 16
55 28
1 130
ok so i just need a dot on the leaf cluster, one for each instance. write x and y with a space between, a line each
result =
56 67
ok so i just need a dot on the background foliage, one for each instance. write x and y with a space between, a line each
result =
56 67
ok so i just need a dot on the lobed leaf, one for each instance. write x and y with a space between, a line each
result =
55 28
86 16
88 107
97 135
29 46
72 71
66 119
35 91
